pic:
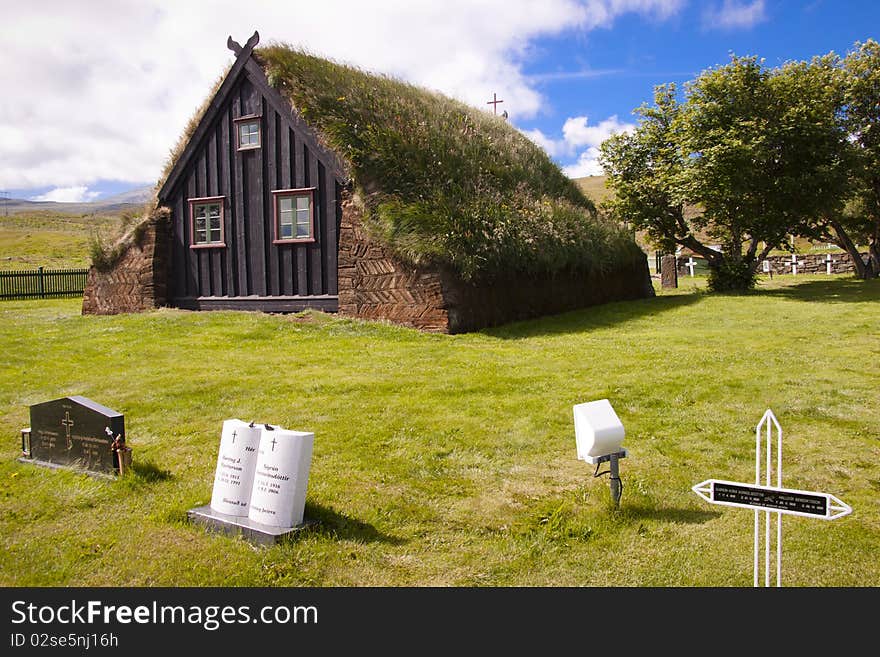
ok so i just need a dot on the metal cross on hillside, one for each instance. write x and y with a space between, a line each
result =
771 498
494 103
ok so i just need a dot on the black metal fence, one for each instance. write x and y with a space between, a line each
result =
42 283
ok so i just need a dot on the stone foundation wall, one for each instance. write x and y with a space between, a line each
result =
138 280
373 284
812 263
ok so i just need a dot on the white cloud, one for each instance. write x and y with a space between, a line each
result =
734 14
554 147
577 134
104 92
76 194
587 165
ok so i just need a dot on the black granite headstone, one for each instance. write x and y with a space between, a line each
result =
76 432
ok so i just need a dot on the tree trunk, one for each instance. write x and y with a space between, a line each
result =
873 260
844 241
757 260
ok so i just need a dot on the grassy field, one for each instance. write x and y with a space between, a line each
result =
594 187
450 460
50 240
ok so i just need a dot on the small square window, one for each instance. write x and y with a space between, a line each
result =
206 215
294 215
248 132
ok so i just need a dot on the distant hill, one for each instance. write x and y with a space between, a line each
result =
137 196
593 187
116 204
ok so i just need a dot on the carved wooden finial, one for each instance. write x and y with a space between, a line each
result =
235 47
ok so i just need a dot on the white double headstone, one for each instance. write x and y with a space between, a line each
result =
281 477
234 476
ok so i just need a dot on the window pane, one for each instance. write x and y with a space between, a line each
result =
302 202
207 226
285 204
249 134
286 231
302 230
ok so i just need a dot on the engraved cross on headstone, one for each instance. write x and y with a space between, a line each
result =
67 422
274 442
234 434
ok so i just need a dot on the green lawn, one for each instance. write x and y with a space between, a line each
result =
450 460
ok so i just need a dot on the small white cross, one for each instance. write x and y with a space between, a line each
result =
794 264
690 265
828 263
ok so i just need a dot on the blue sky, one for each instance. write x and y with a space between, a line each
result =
103 102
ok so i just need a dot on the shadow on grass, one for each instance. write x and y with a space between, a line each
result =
148 472
340 526
833 290
593 317
686 516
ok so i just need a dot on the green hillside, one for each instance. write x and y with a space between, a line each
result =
50 239
594 188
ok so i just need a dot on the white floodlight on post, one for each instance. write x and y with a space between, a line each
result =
598 434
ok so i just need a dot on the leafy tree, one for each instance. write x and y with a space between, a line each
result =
736 163
860 220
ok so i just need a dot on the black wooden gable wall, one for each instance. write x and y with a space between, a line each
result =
250 272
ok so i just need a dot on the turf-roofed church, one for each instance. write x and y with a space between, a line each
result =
303 183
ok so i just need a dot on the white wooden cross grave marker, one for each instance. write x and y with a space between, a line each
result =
771 498
690 265
828 263
794 264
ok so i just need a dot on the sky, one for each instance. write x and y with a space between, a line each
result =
95 93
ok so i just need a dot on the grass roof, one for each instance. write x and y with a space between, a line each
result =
442 182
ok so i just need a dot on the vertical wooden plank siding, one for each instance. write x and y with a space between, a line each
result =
285 257
215 189
194 284
251 264
300 251
202 255
253 166
241 232
315 267
270 180
228 190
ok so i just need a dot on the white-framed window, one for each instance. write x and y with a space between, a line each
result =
247 130
206 222
294 215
